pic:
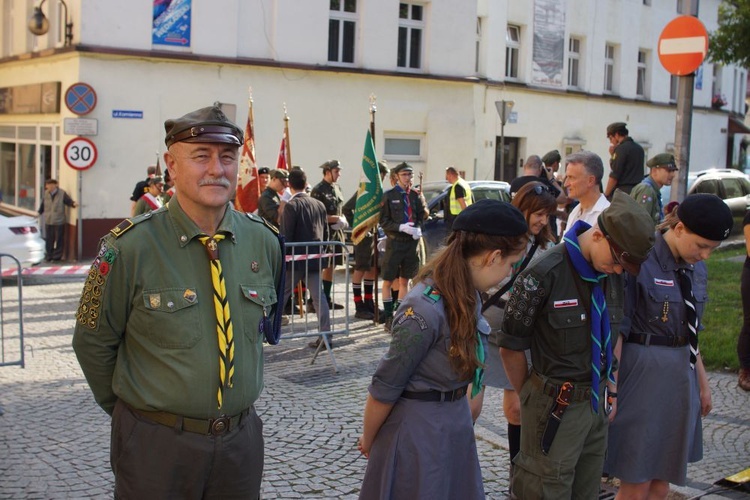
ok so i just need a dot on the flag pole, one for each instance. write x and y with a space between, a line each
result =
288 140
375 294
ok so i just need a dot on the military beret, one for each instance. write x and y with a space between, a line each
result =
402 167
279 173
493 217
263 170
551 157
706 215
617 127
330 164
203 125
629 229
665 160
383 167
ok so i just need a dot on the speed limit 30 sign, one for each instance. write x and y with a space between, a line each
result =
80 153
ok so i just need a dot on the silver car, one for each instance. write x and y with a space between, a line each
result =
20 237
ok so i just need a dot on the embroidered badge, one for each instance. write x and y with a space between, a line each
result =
104 268
89 309
662 282
253 294
530 283
154 300
560 304
409 314
190 295
254 266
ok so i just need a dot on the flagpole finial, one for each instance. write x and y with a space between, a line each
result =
286 116
250 95
373 108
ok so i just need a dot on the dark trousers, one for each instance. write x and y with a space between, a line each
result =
151 460
54 240
743 341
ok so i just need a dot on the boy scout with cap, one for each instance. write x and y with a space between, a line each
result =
626 162
566 307
178 374
328 192
270 203
648 192
264 177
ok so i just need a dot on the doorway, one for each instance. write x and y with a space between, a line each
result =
510 159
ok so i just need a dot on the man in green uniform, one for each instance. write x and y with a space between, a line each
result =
328 192
171 323
648 192
626 161
270 204
566 307
152 198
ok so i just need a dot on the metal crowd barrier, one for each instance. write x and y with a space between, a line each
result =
315 255
11 338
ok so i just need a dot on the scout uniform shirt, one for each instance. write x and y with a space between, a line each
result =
146 325
648 195
546 313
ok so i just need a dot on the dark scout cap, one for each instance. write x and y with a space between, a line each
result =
707 216
629 229
330 164
551 157
665 160
617 128
203 125
279 173
263 170
493 217
402 167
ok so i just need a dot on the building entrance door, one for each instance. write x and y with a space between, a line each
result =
509 161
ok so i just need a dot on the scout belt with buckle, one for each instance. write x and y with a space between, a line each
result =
212 426
556 414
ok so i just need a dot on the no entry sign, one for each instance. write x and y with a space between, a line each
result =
683 45
80 153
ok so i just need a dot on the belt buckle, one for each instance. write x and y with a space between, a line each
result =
218 426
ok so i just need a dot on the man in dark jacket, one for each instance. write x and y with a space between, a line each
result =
626 163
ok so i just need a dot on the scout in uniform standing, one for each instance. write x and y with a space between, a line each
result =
401 218
171 323
626 162
328 192
567 307
648 192
270 203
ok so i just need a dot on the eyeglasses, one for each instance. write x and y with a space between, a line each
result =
617 259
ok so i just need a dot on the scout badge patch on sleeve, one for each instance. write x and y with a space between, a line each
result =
90 307
409 314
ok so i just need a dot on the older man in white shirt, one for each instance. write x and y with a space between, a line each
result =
583 180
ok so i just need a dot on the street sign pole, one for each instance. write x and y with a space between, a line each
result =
79 219
682 132
503 109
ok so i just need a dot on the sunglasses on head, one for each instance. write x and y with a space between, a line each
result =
540 190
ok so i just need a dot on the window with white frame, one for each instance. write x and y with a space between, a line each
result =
673 87
403 147
28 156
342 30
478 49
641 83
410 29
574 62
609 68
512 51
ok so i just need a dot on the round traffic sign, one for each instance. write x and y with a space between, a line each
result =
683 45
80 153
80 98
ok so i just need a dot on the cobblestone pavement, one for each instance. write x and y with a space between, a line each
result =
54 440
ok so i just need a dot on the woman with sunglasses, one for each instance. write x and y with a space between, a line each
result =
418 435
537 204
662 389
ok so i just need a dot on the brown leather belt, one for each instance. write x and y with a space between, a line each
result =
648 339
581 391
448 396
213 426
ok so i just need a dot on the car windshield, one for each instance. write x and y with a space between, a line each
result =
666 191
432 189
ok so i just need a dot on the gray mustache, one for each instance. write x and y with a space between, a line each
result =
222 181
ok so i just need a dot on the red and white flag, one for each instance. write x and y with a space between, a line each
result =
248 187
282 162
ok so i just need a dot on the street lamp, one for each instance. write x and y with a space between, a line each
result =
39 25
503 109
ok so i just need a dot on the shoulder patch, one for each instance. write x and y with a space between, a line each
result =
431 293
128 224
409 314
261 220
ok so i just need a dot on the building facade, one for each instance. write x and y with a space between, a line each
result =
436 68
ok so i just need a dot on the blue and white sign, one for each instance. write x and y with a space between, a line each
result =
171 23
124 113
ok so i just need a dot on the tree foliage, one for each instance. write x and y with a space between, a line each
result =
730 44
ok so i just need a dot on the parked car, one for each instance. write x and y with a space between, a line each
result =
20 237
729 184
437 192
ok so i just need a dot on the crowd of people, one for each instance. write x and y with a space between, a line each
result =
589 297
